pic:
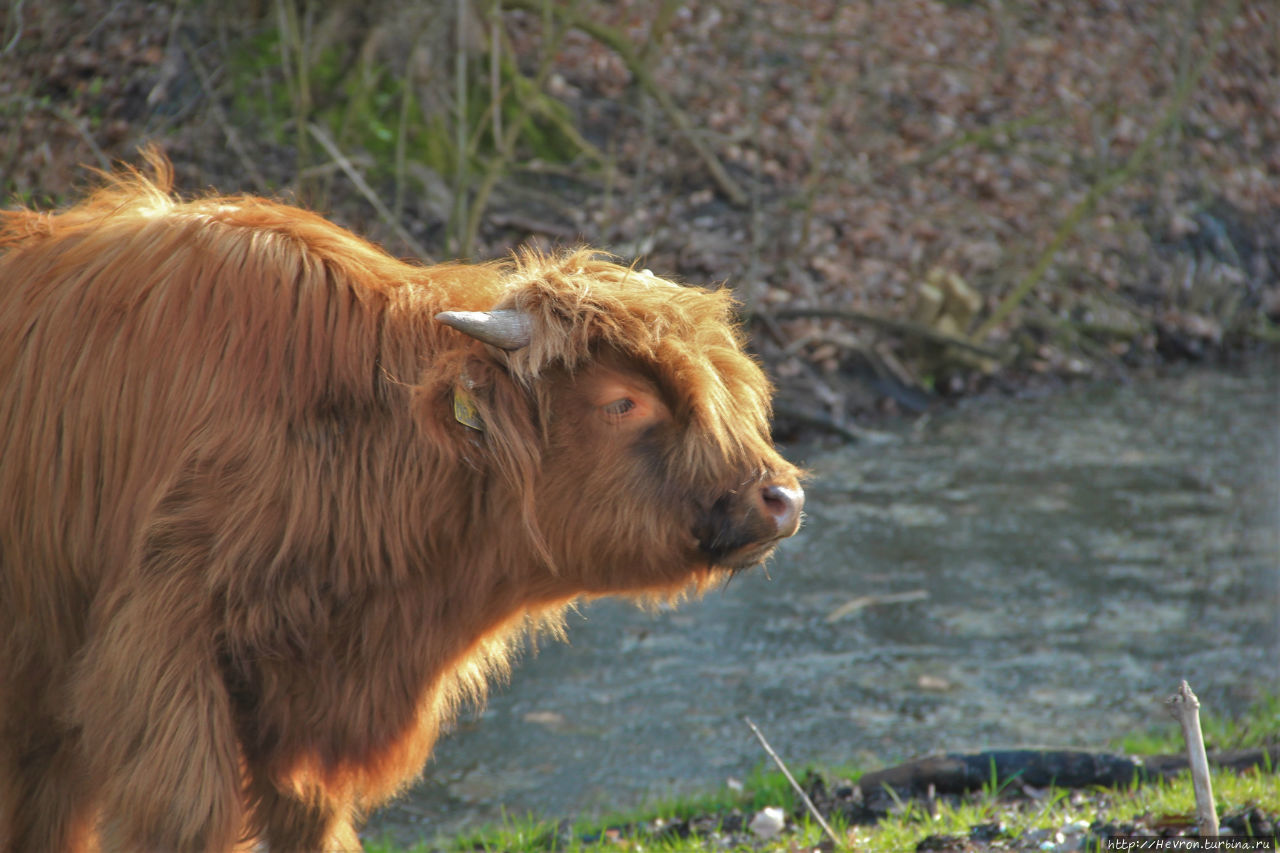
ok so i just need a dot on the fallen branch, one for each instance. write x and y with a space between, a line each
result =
963 772
1185 708
848 432
904 327
808 803
367 192
863 601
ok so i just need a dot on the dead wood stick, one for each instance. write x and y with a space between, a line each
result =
904 327
853 605
963 772
1185 708
849 432
808 803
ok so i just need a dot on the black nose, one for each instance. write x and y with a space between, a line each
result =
783 504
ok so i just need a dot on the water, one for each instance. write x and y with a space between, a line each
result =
1029 572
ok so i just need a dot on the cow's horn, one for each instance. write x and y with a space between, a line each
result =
505 328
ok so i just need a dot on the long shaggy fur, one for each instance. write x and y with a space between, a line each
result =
249 561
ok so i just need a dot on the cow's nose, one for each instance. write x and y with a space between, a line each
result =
783 504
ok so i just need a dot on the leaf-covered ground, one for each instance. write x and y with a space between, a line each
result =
912 198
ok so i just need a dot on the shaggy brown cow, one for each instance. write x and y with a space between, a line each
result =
266 518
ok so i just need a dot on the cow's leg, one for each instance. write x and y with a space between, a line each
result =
292 824
42 799
156 725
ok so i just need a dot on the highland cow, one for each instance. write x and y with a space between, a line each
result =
273 502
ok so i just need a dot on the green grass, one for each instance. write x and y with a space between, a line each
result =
1151 804
1259 725
1172 800
366 104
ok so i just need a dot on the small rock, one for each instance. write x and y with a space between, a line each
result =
1075 827
941 844
768 823
550 719
1035 837
933 683
987 832
1052 843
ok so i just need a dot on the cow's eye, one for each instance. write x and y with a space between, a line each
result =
618 408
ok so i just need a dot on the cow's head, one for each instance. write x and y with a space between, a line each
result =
624 411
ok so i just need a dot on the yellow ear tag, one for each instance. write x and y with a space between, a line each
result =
464 409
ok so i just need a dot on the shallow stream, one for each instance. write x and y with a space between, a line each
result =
1013 573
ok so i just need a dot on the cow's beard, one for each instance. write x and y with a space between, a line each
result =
741 559
735 540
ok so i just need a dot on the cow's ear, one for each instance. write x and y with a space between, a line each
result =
505 328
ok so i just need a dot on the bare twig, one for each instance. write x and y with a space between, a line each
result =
808 803
15 15
983 137
496 166
367 191
1185 708
70 118
659 27
220 116
294 31
461 131
495 68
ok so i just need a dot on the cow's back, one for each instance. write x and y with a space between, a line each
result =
141 341
204 407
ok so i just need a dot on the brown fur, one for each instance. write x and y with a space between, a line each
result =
250 562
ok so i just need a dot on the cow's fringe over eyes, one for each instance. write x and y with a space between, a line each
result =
249 561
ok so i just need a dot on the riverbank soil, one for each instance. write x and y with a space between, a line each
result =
913 200
992 816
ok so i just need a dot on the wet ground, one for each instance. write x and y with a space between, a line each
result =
1015 573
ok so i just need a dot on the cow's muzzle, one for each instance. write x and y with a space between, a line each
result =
783 504
743 527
